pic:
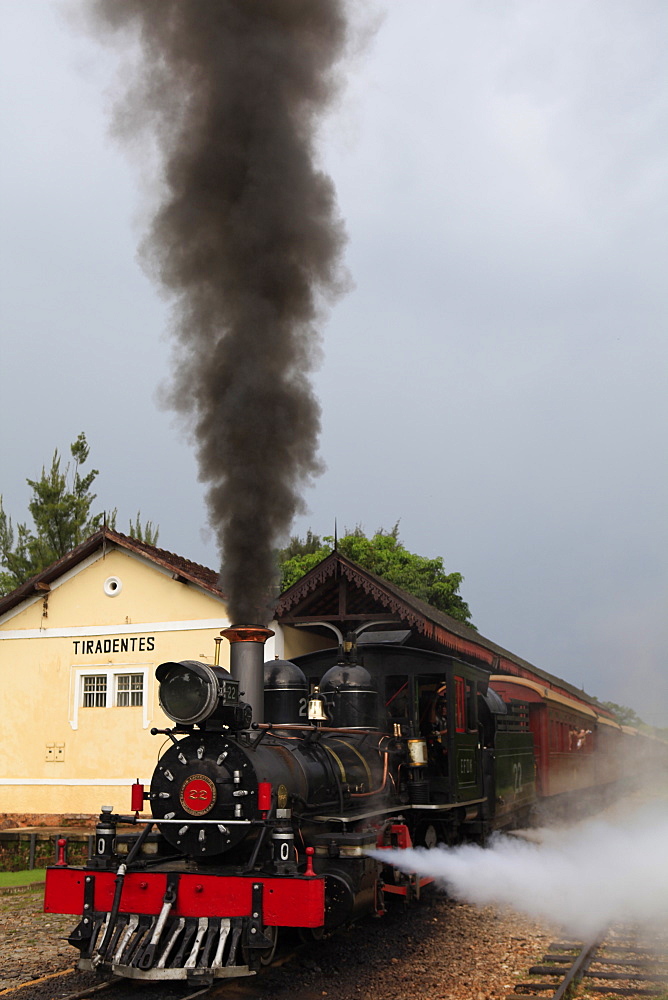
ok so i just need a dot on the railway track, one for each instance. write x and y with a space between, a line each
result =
122 989
623 961
116 988
57 986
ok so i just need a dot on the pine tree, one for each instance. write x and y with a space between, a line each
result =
61 514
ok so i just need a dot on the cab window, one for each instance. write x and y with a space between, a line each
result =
397 697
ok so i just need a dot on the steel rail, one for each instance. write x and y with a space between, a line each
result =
119 982
579 967
639 971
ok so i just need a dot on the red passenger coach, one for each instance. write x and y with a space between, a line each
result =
575 747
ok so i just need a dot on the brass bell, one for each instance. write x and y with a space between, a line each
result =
316 707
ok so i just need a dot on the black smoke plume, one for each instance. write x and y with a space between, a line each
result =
246 240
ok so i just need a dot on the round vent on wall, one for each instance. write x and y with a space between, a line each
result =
112 586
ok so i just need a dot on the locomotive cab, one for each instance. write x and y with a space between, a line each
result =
427 703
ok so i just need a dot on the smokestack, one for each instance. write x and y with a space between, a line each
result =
247 663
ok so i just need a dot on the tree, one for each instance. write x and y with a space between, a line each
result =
386 556
142 532
61 514
624 715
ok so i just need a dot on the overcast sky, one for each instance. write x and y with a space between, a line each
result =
496 379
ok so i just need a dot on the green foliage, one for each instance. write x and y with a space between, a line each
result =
624 715
386 556
61 512
144 532
15 859
301 546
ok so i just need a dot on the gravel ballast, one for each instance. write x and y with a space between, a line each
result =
438 949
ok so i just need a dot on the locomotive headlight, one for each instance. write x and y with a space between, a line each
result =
190 691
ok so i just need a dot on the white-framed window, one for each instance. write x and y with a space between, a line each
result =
94 691
110 687
129 690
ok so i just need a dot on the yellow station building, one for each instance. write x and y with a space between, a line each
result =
79 645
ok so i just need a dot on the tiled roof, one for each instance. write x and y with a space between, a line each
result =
182 568
192 571
436 626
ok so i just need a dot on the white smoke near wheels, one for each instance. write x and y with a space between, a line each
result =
583 877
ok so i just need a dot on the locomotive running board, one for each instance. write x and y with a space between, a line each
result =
447 806
436 807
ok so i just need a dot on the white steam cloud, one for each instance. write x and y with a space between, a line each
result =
583 877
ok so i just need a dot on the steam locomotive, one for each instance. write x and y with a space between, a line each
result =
257 825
